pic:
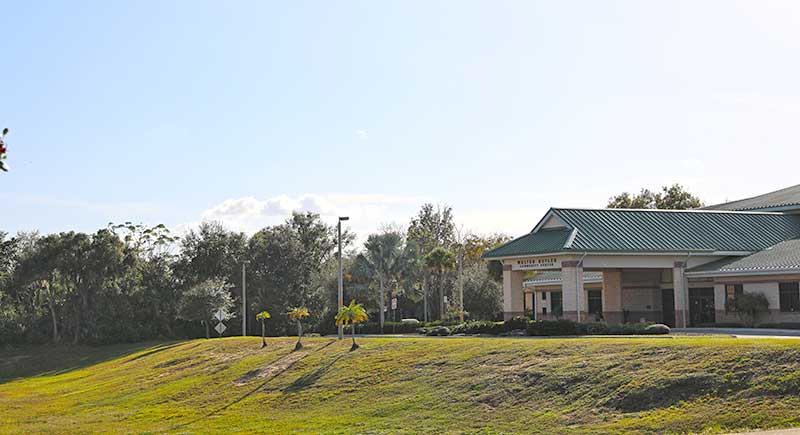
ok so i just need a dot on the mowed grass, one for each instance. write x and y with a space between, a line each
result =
404 386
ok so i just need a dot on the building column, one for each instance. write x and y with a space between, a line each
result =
513 296
612 297
573 297
681 294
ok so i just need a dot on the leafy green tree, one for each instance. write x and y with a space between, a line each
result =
297 315
199 303
440 261
483 295
351 315
432 228
293 264
673 197
262 317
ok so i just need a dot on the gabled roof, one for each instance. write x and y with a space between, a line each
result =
783 257
784 199
541 242
654 231
554 278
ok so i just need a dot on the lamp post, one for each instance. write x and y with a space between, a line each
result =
341 280
244 299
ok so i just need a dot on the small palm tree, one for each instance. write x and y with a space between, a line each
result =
262 317
351 314
298 314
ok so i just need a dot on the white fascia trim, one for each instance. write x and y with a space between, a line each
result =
550 213
633 254
760 272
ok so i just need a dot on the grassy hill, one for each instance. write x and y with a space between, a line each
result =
404 385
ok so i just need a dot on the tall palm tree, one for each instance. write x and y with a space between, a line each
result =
298 314
382 259
262 317
351 314
439 261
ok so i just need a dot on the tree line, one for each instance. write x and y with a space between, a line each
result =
130 282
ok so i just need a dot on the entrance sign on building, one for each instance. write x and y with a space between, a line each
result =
536 263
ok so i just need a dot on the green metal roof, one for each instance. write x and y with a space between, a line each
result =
624 230
540 242
784 199
785 256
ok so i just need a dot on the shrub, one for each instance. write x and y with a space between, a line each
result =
516 323
479 327
750 306
553 327
657 328
434 330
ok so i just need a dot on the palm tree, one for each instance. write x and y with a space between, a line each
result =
382 259
262 317
298 314
439 261
351 314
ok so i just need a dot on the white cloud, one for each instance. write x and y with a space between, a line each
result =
362 134
367 212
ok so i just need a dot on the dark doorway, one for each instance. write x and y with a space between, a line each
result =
595 299
701 306
555 304
668 307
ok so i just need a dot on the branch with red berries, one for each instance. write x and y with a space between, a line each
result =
3 151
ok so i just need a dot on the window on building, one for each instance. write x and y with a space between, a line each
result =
544 310
789 296
544 296
555 304
595 300
732 291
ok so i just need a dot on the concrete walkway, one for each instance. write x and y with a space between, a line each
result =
740 332
772 432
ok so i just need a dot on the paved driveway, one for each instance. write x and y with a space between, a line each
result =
741 332
772 432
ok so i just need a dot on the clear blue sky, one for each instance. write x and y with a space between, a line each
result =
175 112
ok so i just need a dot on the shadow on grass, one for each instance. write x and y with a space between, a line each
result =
55 359
311 378
249 393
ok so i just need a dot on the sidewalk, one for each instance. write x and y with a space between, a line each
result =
741 332
772 432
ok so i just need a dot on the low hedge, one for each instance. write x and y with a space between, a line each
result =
434 330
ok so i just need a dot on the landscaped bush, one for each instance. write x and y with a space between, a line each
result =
516 323
388 328
434 330
657 328
553 327
479 327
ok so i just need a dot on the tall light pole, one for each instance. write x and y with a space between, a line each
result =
244 299
341 279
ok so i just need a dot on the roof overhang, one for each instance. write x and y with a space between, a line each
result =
743 272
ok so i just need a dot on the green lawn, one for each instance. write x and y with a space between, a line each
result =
404 385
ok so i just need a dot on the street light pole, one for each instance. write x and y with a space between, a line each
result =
341 279
244 300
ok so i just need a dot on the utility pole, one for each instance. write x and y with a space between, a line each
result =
341 278
244 299
461 285
380 278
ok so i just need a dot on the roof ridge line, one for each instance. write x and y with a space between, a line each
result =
661 210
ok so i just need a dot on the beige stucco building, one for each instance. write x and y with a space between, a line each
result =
682 268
